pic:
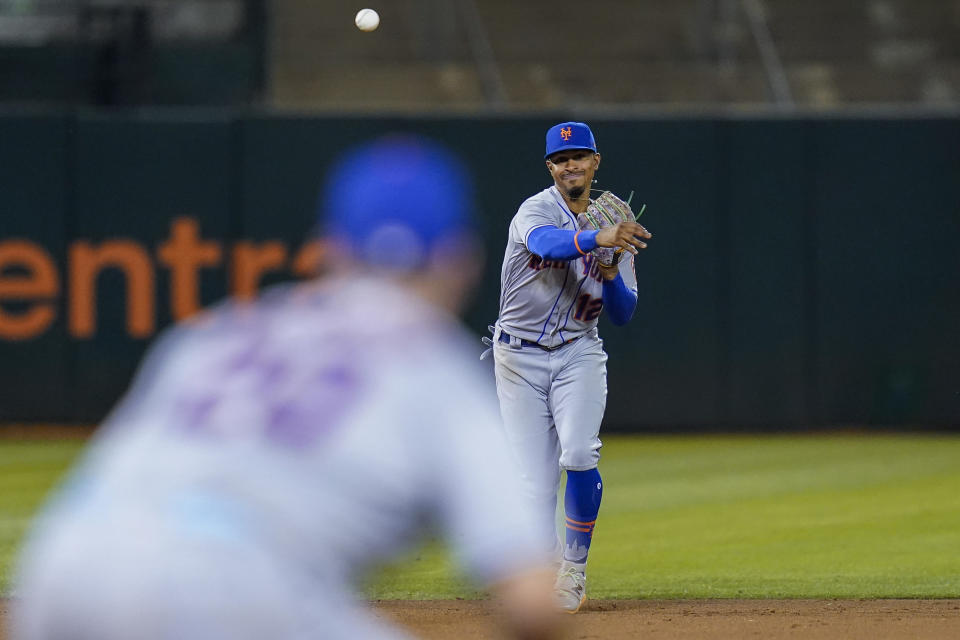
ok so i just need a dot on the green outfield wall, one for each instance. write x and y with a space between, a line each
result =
803 272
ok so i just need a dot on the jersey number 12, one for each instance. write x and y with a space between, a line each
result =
588 308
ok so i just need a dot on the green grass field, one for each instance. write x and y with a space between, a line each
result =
821 516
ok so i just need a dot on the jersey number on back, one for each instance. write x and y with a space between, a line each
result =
256 392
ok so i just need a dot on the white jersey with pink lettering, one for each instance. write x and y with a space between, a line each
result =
265 457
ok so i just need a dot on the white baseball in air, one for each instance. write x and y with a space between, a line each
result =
367 20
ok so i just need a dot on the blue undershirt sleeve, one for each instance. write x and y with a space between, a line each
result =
618 300
551 243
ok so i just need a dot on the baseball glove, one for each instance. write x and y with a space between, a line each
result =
607 210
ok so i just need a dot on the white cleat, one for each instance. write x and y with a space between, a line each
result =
571 589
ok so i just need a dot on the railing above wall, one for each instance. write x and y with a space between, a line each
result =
118 53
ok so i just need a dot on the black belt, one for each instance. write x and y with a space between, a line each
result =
505 337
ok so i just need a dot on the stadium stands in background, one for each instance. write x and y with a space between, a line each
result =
469 55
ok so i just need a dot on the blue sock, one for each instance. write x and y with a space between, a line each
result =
582 504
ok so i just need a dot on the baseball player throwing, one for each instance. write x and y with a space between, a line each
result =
270 452
549 361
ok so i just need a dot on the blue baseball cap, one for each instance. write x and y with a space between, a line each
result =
569 135
392 201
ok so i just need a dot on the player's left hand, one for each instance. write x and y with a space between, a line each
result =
609 271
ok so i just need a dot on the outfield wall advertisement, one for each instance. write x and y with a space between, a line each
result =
32 278
803 272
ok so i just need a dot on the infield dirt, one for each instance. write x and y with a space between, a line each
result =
689 619
714 619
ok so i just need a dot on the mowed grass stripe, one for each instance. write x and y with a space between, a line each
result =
812 516
692 470
28 471
816 516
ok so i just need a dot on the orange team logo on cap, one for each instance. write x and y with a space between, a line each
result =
565 133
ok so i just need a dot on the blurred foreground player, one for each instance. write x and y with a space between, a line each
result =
268 453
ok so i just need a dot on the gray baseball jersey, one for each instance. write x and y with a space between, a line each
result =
550 301
264 458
